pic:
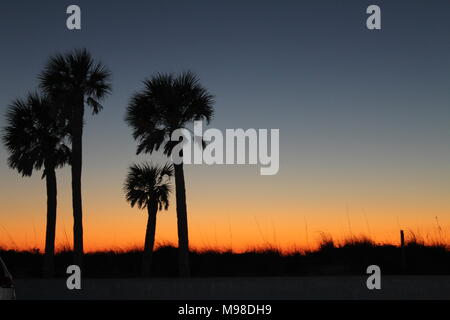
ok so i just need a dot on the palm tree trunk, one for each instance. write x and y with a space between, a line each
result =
183 237
77 136
149 240
49 256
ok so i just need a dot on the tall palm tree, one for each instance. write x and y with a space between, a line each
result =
75 80
34 139
148 187
165 104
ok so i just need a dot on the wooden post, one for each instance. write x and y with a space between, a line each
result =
403 250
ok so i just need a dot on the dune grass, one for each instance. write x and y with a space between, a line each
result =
348 256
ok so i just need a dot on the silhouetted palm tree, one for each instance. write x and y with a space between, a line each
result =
75 80
165 104
148 187
36 139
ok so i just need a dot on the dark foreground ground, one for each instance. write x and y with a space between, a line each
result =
416 271
291 288
349 259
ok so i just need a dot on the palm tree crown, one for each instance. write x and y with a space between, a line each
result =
165 104
33 137
146 184
66 77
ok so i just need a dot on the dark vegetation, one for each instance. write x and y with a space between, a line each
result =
351 257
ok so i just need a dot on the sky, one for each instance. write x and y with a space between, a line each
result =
364 118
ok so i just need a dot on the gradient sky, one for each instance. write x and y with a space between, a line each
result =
364 118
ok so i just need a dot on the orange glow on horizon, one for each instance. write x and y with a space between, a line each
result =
223 232
223 216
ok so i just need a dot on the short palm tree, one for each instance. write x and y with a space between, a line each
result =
148 187
166 104
75 80
35 139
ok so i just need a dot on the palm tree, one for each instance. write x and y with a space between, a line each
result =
148 187
75 80
35 139
165 104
